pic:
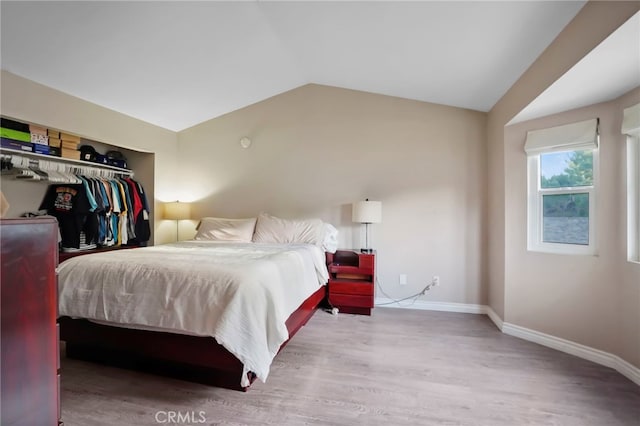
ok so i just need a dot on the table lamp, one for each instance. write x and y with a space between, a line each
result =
367 212
177 211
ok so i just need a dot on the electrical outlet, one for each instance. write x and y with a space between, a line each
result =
436 280
403 279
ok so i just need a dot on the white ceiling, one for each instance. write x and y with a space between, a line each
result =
176 64
607 72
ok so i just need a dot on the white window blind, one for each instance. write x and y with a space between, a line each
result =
569 137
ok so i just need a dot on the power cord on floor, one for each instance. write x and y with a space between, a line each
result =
333 310
434 282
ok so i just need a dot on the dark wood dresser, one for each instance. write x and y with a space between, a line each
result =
30 357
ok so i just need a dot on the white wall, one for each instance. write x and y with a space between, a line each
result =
317 149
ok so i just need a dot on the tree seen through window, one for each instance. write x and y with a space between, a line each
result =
576 170
564 179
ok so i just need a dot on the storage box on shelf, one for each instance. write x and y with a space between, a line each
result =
351 280
22 138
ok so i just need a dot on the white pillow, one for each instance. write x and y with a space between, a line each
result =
330 240
223 229
271 229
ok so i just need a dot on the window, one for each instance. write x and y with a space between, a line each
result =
562 166
631 127
633 198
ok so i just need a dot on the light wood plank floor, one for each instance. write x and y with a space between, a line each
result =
398 367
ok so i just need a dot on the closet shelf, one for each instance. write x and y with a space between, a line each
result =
69 161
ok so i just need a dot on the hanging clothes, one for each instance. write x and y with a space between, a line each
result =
99 211
141 213
70 205
129 202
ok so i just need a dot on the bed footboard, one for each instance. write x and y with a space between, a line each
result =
192 358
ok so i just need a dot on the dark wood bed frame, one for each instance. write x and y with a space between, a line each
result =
193 358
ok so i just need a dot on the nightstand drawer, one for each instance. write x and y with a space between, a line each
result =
367 261
350 300
346 287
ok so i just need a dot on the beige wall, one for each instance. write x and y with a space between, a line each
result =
548 293
595 22
495 216
31 102
317 149
629 295
586 299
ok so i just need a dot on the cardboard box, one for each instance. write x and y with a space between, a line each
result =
39 139
15 135
70 153
69 144
69 137
55 142
53 134
17 145
14 125
41 149
37 130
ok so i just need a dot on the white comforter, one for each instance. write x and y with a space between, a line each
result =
240 294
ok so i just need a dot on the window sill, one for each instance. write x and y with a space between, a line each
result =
565 249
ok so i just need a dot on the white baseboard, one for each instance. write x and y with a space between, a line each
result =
495 318
432 306
628 370
585 352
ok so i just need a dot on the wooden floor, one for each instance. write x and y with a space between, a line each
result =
398 367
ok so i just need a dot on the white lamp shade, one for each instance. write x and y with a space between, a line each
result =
367 212
177 211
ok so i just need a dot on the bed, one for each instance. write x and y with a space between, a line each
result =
208 311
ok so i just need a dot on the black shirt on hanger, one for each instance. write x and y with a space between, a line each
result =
70 205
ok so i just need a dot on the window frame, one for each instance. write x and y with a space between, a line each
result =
633 198
535 218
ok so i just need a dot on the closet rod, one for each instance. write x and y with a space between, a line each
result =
6 152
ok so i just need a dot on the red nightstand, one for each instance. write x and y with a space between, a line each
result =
351 280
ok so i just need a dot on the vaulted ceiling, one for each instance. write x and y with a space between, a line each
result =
176 64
